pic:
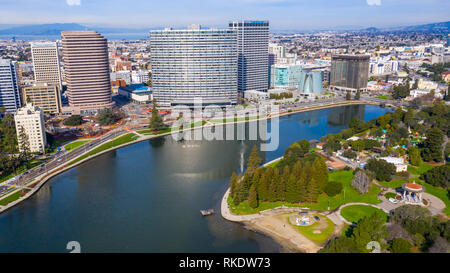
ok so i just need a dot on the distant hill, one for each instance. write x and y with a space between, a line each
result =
55 29
434 27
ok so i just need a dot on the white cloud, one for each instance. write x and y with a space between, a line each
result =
373 2
73 2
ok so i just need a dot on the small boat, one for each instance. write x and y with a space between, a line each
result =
206 212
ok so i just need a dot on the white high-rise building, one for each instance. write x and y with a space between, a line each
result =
253 54
31 119
9 86
46 63
194 63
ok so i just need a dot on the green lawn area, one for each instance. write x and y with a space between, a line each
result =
357 212
116 142
150 132
390 195
321 237
351 195
417 171
384 97
13 197
75 144
396 183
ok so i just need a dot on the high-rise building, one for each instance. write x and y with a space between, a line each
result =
43 95
86 64
9 86
253 52
46 63
349 72
31 119
194 63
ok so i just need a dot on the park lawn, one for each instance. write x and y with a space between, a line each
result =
439 193
351 195
116 142
384 97
13 197
390 195
417 171
76 144
357 212
394 184
321 237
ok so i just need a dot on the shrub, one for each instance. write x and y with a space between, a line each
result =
333 188
400 245
73 120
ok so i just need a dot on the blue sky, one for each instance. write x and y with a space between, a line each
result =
282 14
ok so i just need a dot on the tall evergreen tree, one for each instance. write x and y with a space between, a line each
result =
233 184
253 197
24 144
253 161
156 122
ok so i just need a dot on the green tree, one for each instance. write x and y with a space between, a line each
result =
253 197
156 122
414 156
400 245
348 96
433 145
253 160
357 95
381 168
333 188
73 120
24 144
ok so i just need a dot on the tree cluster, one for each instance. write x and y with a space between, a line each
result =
381 169
73 120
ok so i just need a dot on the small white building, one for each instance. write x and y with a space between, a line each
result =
256 95
399 163
137 93
421 92
31 119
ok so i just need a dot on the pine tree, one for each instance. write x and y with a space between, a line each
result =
264 184
320 173
292 194
253 197
348 96
233 183
24 144
357 95
237 190
156 122
254 160
272 196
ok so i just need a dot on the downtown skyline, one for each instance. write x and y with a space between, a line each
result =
283 14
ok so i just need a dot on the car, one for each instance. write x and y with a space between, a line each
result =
392 200
317 218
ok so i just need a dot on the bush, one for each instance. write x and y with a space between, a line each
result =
73 120
403 174
333 188
349 154
381 168
400 245
438 176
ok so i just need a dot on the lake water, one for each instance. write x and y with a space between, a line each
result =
146 197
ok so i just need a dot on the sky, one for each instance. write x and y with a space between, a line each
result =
282 14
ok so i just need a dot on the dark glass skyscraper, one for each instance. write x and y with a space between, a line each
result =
349 72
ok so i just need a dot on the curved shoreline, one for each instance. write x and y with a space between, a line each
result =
41 180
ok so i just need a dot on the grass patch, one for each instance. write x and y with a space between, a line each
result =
321 237
417 171
75 144
384 97
357 212
344 177
394 184
116 142
390 195
13 197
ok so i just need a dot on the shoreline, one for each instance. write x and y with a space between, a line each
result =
41 180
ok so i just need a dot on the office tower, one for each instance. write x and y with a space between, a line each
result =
310 82
86 64
46 63
31 119
43 95
9 86
349 72
282 75
194 63
253 52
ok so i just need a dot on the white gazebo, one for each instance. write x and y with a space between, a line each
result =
412 193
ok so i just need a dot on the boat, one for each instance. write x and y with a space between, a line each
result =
206 212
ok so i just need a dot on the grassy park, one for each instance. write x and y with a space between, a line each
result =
348 195
75 144
13 197
355 213
319 231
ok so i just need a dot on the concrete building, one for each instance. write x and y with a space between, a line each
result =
46 63
45 96
140 76
349 72
31 119
194 63
253 52
399 163
9 86
87 71
137 93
